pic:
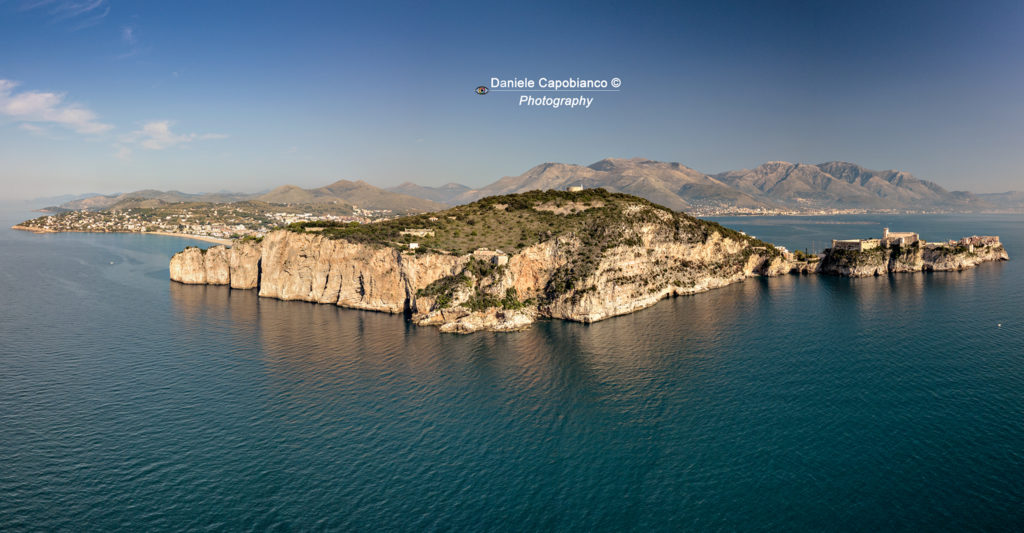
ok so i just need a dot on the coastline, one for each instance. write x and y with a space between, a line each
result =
214 240
19 227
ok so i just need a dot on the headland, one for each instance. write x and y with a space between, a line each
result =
503 262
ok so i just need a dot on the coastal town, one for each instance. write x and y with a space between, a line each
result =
714 210
216 221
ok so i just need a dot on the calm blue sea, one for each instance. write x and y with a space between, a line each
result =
128 402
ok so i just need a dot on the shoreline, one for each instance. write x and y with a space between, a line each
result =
19 227
214 240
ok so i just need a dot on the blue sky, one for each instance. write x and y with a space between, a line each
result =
105 96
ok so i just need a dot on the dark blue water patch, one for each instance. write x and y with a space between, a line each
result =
129 402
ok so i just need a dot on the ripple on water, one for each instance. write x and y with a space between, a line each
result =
802 402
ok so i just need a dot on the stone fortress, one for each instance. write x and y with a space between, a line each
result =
896 238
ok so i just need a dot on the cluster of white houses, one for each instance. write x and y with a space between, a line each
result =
896 238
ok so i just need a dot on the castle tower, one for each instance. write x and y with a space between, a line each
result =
885 233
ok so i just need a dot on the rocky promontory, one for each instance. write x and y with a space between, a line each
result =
582 256
917 256
503 262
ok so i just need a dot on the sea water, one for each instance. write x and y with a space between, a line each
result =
129 402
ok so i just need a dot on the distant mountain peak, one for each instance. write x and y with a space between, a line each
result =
773 184
610 163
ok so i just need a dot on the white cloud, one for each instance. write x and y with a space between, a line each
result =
86 12
92 20
73 9
32 128
157 135
45 107
128 34
123 152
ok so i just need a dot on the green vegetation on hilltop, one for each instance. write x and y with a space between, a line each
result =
598 218
593 221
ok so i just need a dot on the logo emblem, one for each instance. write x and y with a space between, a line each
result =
481 90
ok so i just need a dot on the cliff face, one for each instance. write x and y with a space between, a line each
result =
882 261
244 265
218 269
623 256
312 268
940 259
189 266
629 278
219 265
554 278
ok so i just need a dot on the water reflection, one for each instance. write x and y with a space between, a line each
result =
767 403
206 305
628 368
323 349
634 370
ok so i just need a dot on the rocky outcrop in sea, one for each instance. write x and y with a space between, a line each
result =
913 258
463 293
582 257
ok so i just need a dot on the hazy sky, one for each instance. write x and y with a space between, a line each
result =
105 96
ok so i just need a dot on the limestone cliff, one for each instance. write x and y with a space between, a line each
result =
244 265
189 266
313 268
911 258
583 257
648 253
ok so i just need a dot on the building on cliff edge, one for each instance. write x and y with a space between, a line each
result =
495 257
889 239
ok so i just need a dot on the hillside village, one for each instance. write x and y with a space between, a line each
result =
223 221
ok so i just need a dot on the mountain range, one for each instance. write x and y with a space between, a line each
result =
670 184
845 185
775 185
344 192
772 185
358 193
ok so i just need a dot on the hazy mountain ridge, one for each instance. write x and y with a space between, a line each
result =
342 192
368 196
772 185
1004 200
445 194
838 184
670 184
105 201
